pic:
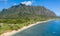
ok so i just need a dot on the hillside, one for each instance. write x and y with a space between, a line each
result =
21 10
21 15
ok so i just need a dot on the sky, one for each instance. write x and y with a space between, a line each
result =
53 5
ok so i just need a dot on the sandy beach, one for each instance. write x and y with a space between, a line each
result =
25 27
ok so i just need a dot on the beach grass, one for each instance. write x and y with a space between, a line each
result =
15 24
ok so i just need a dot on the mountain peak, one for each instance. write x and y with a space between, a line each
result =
18 11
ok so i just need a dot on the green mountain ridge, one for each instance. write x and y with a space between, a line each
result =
22 10
18 16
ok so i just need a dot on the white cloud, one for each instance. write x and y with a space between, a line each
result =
27 3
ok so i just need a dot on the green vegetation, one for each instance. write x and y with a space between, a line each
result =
15 24
18 16
19 11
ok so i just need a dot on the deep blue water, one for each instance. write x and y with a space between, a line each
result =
51 28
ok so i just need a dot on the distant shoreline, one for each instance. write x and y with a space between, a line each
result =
19 30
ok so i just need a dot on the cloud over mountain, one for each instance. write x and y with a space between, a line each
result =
27 3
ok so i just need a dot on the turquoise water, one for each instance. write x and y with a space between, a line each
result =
51 28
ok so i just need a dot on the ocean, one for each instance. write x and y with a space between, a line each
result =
51 28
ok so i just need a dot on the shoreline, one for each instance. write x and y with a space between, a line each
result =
23 28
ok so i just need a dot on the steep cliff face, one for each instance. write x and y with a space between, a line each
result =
20 10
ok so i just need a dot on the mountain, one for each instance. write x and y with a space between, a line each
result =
22 11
